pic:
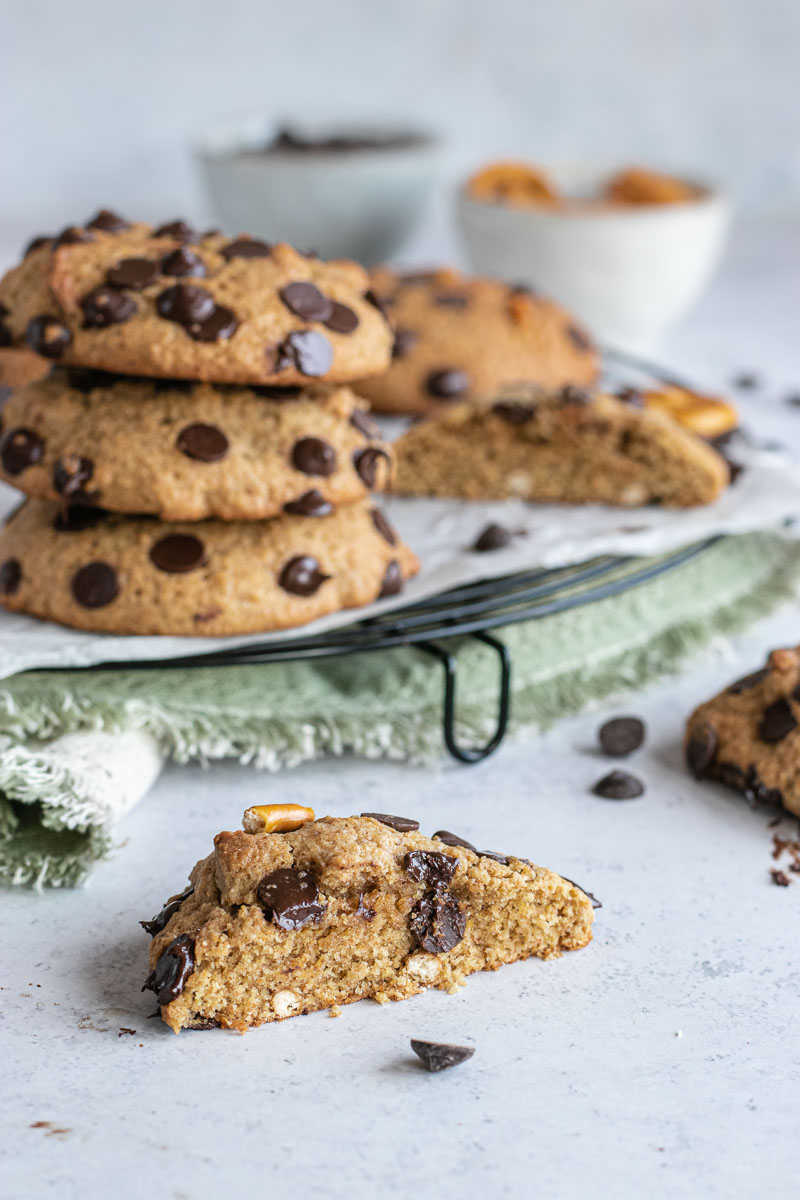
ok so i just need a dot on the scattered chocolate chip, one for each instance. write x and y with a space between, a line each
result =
290 898
246 248
451 299
161 919
778 877
777 721
311 504
404 340
70 475
105 306
108 221
178 553
313 456
748 681
72 236
618 785
452 839
48 336
366 463
79 517
364 423
302 576
205 443
430 867
493 537
183 262
514 412
437 922
177 229
172 970
701 749
746 381
392 582
342 318
19 449
621 736
306 301
35 244
400 824
579 338
134 273
440 1056
10 576
308 351
448 383
383 527
95 585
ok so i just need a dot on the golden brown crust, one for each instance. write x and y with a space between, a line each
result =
707 416
18 367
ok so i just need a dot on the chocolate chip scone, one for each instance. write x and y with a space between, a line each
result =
457 337
295 915
117 574
748 736
171 302
567 446
186 451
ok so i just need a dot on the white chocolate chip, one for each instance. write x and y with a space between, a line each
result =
285 1003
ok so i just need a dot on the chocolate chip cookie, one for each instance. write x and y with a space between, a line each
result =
117 574
186 451
457 338
327 912
748 736
168 301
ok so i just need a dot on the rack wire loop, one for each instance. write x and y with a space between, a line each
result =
472 754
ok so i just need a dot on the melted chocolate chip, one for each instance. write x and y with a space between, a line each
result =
306 301
495 857
178 553
48 336
383 527
106 306
430 867
290 898
308 351
447 384
172 970
618 785
10 576
205 443
437 922
452 839
79 517
342 318
72 236
311 504
514 412
399 824
701 749
313 456
578 338
161 920
95 585
183 262
777 722
392 582
621 736
364 423
404 340
440 1056
19 449
246 248
493 537
302 576
134 273
177 229
196 310
366 463
108 222
219 327
70 474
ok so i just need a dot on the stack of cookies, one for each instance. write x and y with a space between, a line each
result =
196 465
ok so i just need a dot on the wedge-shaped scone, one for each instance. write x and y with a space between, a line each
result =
748 736
281 923
567 446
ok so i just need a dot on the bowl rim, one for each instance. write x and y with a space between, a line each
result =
246 138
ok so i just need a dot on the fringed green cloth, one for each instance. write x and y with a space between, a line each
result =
78 749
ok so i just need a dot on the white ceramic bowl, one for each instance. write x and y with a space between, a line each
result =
628 272
343 204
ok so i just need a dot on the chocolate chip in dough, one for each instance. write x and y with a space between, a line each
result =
777 722
178 553
161 920
447 384
342 319
246 248
366 464
364 423
452 839
72 236
701 749
514 411
134 273
302 576
177 229
437 922
392 582
383 527
108 222
172 970
20 448
399 824
48 336
311 504
204 443
183 262
10 576
308 351
430 867
313 456
95 585
290 898
105 306
404 340
71 474
748 681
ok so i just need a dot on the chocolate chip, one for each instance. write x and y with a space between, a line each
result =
199 1022
440 1056
183 262
306 301
579 338
219 327
35 244
172 970
595 902
70 474
777 721
185 304
448 383
302 576
364 911
177 229
161 920
105 306
400 824
430 867
48 336
311 504
19 449
376 301
95 585
178 553
701 749
134 273
366 463
404 340
493 537
748 681
621 736
501 858
205 443
79 517
383 527
313 456
310 352
746 380
10 576
290 898
514 412
451 299
246 248
392 582
342 318
108 222
619 785
452 839
72 236
364 423
437 922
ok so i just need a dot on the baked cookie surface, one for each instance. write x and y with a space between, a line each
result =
171 302
458 337
133 575
275 924
184 452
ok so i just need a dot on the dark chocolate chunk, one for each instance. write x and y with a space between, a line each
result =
185 303
392 582
178 553
448 383
79 517
618 785
430 867
493 537
172 970
73 235
302 576
404 340
95 585
513 411
400 824
246 248
105 306
383 527
777 721
595 902
108 221
177 229
313 456
308 351
366 463
701 749
437 922
135 273
290 898
364 423
183 262
311 504
70 475
205 443
306 301
748 681
440 1056
161 919
19 449
10 576
342 318
35 244
621 736
578 338
452 839
48 336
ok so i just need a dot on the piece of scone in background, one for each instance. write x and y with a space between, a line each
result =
18 367
748 736
515 183
568 446
457 336
639 185
709 417
328 912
